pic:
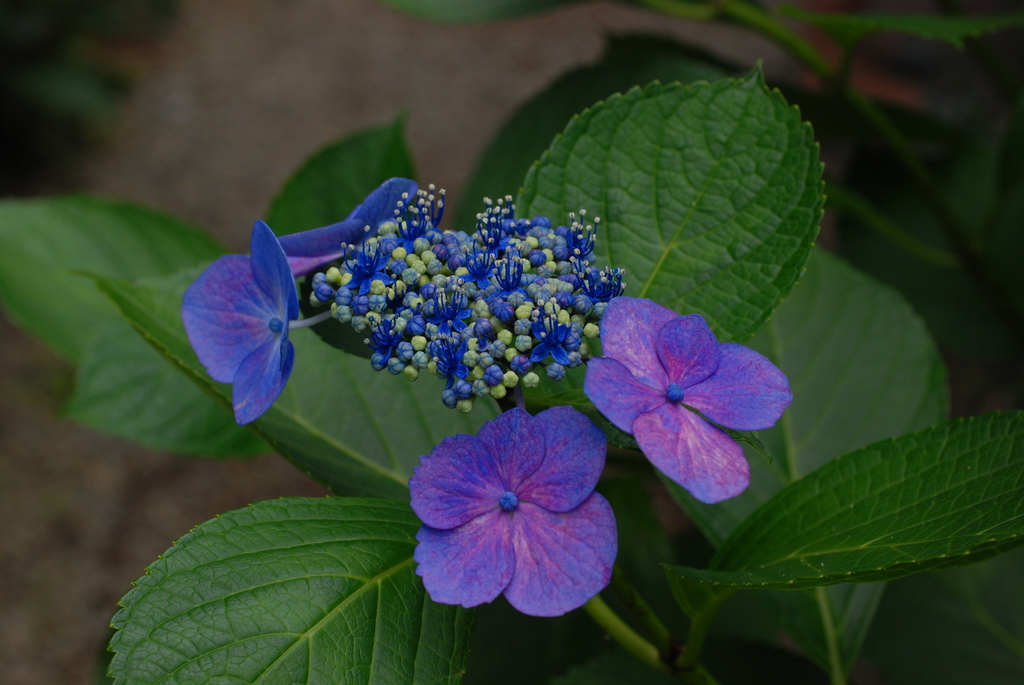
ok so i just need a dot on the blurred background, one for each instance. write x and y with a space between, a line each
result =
202 109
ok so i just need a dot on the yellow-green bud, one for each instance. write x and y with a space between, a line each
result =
549 254
377 287
477 373
334 276
550 265
420 268
461 271
373 318
563 316
509 380
399 253
591 331
419 343
345 278
524 311
498 391
432 367
411 373
531 380
534 243
388 227
506 337
584 350
411 259
510 354
422 281
465 406
578 319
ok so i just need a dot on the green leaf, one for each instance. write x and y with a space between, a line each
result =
318 591
946 496
474 10
964 625
329 185
862 368
325 190
709 195
958 313
43 241
121 387
850 28
357 431
626 62
124 387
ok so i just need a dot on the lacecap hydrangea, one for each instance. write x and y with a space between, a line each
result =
484 311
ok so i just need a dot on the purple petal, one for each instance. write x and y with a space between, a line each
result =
310 249
381 203
688 350
561 559
261 378
746 393
468 565
516 442
272 273
457 481
226 316
629 334
617 394
693 453
574 450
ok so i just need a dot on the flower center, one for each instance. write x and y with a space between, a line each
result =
674 393
276 325
508 501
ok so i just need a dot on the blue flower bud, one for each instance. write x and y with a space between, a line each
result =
449 398
563 299
497 349
361 305
378 361
556 372
324 292
575 359
377 303
395 366
482 329
481 388
502 310
428 291
416 326
493 375
405 351
343 314
421 360
537 258
319 278
343 297
441 252
560 253
463 389
520 364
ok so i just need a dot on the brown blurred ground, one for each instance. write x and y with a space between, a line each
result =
230 104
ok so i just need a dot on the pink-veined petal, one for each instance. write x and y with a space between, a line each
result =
456 482
516 443
746 393
617 394
574 450
468 565
629 335
688 350
692 452
561 559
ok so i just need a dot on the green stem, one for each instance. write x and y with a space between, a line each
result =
852 202
754 17
650 624
699 631
624 635
836 674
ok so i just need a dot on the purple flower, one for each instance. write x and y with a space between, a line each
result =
657 364
310 249
236 315
514 510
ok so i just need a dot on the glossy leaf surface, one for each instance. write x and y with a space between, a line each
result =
709 195
317 591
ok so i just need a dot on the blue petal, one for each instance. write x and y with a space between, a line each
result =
261 378
271 271
540 352
559 353
573 449
227 316
310 249
562 559
746 393
617 394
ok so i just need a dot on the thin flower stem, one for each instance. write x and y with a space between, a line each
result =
518 392
970 258
666 644
689 661
624 635
847 200
312 321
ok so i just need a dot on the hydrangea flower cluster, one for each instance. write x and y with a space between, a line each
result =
485 312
